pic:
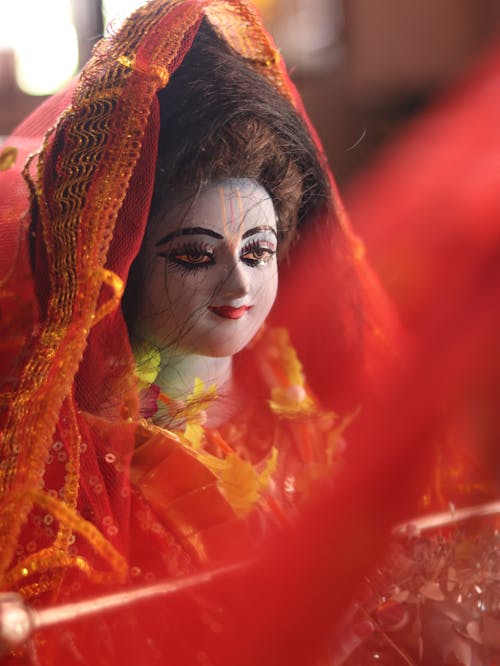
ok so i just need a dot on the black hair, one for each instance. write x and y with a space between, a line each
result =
220 118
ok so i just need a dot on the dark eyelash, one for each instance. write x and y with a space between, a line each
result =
258 245
188 248
188 269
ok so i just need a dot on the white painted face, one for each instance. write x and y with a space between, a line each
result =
211 274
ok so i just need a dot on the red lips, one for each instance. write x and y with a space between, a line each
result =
228 312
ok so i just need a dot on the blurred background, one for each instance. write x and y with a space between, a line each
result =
364 67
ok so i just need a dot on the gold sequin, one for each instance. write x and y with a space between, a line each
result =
7 157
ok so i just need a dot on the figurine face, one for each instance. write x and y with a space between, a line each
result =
211 274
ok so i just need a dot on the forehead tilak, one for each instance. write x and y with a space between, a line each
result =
232 212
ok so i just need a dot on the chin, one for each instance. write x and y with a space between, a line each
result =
223 350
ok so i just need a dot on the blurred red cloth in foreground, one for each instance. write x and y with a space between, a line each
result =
429 211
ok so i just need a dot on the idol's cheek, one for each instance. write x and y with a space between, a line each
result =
265 295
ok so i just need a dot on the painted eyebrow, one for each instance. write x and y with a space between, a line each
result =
258 230
189 231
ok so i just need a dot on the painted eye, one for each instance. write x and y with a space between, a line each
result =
257 254
193 257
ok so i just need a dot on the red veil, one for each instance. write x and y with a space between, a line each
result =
73 217
441 263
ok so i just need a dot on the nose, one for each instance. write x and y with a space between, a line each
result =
236 283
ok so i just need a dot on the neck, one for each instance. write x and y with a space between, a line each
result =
178 373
